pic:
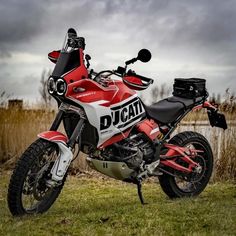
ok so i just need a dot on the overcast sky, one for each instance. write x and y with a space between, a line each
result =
187 38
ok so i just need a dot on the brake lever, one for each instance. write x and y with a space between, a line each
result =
87 58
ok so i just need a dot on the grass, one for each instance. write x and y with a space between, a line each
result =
108 207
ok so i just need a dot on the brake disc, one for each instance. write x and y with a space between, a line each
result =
40 188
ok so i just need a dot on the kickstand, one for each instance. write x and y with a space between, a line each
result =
139 187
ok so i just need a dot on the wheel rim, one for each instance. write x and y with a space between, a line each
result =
34 189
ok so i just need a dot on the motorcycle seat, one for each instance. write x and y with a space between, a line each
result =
168 110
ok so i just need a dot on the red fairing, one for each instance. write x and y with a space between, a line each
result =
115 139
53 136
121 93
93 92
150 128
53 56
205 105
78 73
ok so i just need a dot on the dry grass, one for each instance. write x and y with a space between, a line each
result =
226 165
19 128
201 115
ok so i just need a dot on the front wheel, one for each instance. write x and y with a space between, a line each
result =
28 192
189 185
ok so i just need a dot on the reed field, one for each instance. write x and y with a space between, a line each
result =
19 128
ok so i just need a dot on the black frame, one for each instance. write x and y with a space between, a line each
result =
79 127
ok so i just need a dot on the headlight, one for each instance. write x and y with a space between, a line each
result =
51 85
57 86
60 87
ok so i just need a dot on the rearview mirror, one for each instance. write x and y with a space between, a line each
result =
144 55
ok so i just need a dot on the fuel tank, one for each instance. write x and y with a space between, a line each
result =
111 110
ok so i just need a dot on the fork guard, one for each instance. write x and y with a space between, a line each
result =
65 156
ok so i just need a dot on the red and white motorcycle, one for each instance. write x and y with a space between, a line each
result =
122 137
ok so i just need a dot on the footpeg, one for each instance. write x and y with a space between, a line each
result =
151 167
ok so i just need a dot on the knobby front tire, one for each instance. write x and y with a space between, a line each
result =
187 186
28 192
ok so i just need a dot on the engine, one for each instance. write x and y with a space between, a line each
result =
133 151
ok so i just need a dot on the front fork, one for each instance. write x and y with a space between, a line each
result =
65 156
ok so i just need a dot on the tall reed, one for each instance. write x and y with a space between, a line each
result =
226 164
19 128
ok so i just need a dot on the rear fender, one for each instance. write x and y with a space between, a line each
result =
216 119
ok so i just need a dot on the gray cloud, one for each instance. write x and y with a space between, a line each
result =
4 53
169 23
191 38
20 21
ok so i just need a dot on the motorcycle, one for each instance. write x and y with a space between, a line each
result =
122 137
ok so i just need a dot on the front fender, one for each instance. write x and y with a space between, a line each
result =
65 155
53 136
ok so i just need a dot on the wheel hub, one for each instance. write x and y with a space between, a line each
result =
40 188
198 171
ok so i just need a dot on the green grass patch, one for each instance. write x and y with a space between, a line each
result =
109 207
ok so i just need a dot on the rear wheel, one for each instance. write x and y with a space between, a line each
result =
28 191
188 185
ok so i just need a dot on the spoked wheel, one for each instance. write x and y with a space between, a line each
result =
28 190
187 185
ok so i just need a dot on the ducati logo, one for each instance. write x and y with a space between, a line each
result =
122 116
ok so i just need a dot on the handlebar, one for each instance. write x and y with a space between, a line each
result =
147 81
102 72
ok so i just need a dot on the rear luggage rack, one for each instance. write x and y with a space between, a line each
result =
190 88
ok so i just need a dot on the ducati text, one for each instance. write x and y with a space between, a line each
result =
123 115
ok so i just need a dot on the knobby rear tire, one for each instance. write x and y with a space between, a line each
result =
34 153
169 184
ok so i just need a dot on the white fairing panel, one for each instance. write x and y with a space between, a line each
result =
114 119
